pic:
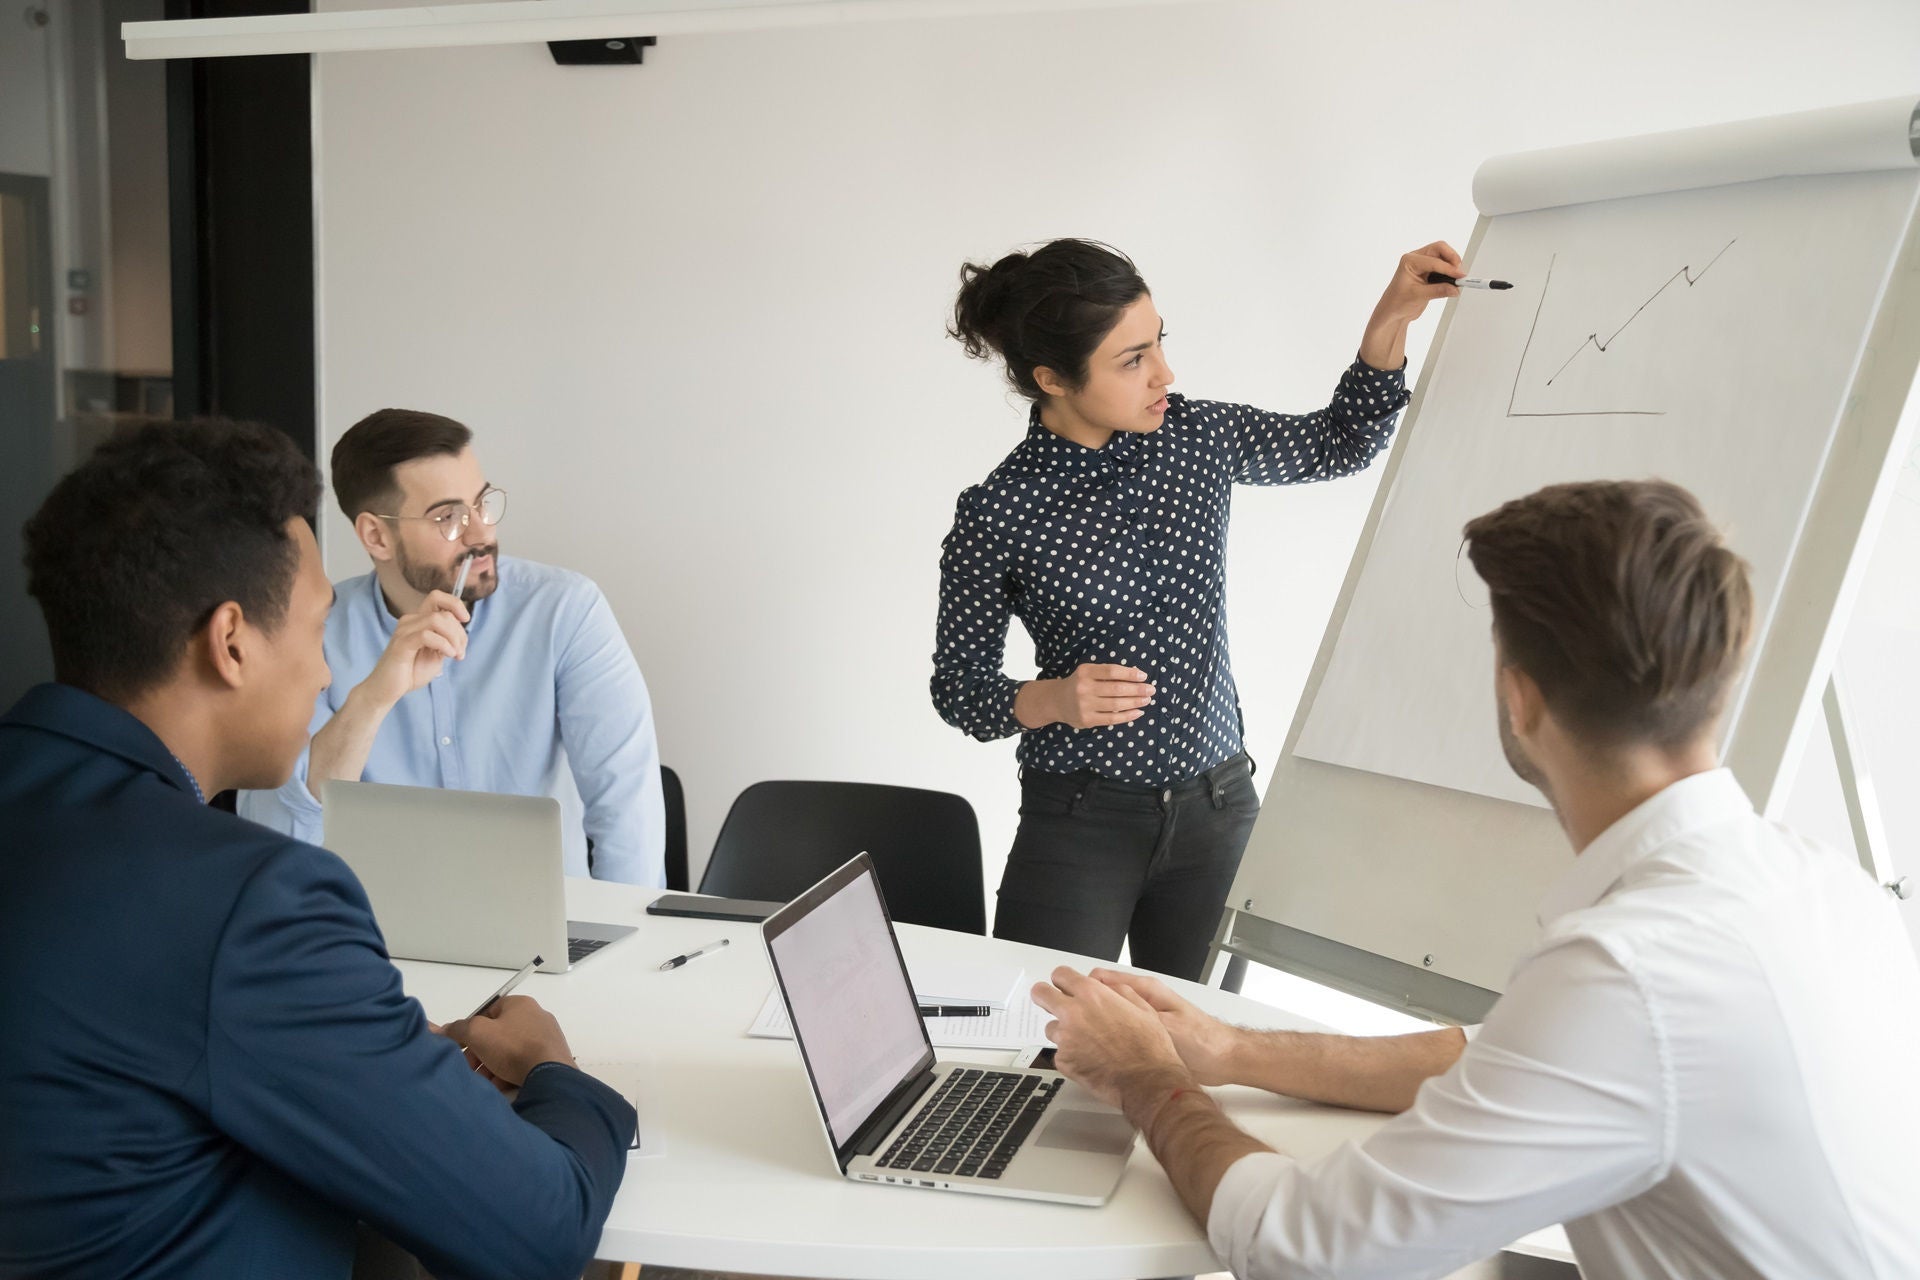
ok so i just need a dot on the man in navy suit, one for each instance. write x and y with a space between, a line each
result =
210 1066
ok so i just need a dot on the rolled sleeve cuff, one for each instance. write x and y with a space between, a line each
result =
1001 707
309 818
292 810
1380 391
988 711
1240 1202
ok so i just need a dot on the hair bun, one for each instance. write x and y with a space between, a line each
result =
981 312
1046 309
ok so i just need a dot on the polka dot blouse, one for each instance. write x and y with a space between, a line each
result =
1118 555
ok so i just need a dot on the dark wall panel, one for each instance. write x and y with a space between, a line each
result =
240 155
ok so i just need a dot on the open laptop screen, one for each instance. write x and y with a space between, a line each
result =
848 996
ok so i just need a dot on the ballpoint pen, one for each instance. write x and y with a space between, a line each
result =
677 961
506 988
956 1011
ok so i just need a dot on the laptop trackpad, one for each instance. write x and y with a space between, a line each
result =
1102 1132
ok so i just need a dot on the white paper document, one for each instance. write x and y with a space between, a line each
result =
649 1139
965 982
1022 1024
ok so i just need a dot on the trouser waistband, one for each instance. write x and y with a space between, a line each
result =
1085 782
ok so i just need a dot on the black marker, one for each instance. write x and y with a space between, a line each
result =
1435 277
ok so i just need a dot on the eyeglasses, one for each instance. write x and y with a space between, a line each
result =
451 522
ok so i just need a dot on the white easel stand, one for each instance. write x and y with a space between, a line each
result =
1856 785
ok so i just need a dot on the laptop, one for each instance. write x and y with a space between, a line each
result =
461 877
891 1114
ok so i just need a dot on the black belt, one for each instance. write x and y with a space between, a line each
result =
1086 781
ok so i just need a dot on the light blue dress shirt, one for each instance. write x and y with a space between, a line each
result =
547 702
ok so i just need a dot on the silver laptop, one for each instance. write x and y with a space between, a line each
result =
461 877
892 1114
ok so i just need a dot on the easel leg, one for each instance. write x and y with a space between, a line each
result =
1224 969
1856 786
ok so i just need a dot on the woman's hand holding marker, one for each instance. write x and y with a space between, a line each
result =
1410 292
1096 694
1384 345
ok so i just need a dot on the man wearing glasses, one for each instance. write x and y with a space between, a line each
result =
495 688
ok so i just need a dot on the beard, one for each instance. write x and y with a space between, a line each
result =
1517 758
424 577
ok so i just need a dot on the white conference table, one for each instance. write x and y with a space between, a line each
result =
735 1174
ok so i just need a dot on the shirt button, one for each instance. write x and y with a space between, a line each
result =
1166 797
446 742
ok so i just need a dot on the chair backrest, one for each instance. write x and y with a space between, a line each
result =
781 837
676 798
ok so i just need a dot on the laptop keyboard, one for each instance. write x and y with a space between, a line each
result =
579 949
973 1125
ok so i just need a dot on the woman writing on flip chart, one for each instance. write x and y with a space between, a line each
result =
1105 533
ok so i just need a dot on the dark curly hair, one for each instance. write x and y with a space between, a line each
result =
136 547
1048 309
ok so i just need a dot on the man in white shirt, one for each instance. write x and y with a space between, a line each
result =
1706 1066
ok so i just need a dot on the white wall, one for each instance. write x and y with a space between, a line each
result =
694 309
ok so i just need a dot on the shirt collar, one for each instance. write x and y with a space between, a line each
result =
76 714
192 781
1049 451
381 613
1700 800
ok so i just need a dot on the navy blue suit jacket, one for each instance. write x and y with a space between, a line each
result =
207 1064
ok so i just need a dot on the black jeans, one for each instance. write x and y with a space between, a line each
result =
1096 861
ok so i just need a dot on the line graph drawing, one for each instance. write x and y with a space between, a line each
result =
1592 341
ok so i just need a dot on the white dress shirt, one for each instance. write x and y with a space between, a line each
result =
1709 1067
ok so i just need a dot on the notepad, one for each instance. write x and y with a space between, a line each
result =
1021 1025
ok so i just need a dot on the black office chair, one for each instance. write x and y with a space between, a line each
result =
781 837
676 797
